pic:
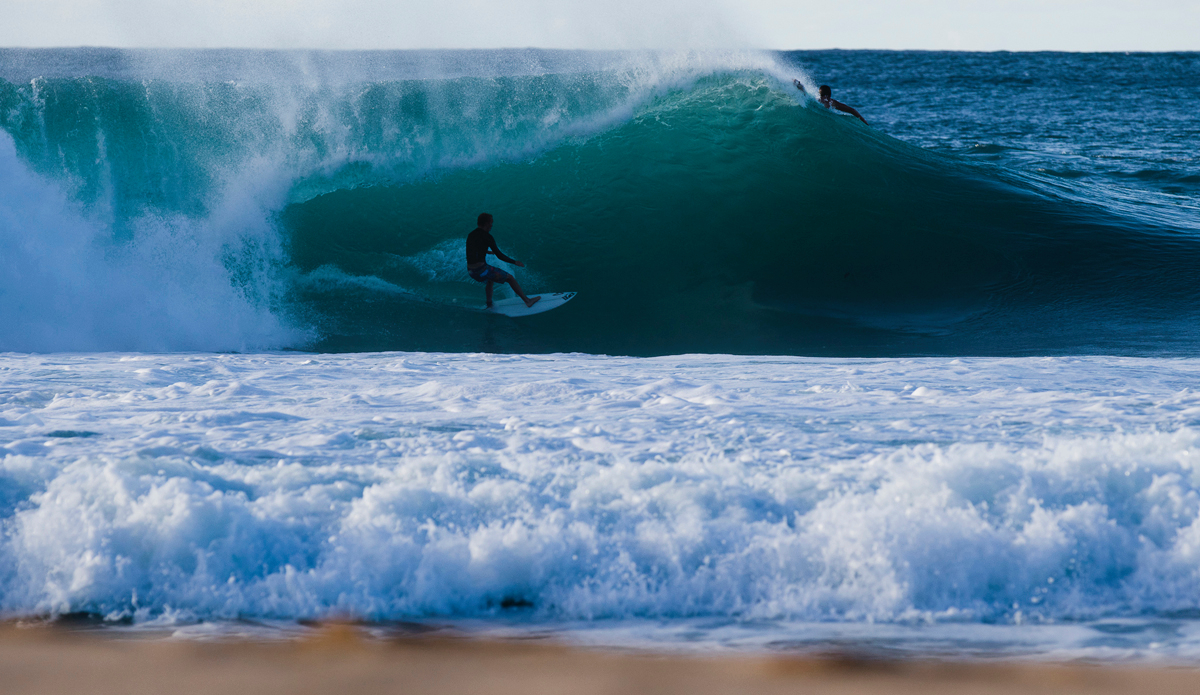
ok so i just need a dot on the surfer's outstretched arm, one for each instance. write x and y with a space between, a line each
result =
499 254
848 109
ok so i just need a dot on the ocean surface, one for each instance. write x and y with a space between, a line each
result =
927 386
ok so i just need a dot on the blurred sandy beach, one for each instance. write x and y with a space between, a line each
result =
342 659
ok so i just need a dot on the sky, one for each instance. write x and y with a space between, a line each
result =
1017 25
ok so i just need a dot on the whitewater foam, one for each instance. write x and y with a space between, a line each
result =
175 284
576 488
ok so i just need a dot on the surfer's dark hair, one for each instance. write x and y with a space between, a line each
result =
484 218
825 90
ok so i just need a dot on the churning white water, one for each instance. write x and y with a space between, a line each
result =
1041 504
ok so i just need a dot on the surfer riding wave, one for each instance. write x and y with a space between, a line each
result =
480 243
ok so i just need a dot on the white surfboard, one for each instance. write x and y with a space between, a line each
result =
516 307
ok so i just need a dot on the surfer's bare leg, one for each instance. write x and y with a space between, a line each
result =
516 288
488 291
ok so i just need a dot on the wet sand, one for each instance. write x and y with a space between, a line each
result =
339 659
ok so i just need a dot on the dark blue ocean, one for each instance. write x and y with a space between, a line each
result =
927 386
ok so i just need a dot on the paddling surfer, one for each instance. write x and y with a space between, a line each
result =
827 100
479 244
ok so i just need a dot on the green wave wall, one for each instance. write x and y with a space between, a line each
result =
693 209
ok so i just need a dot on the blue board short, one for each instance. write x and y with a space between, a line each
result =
487 272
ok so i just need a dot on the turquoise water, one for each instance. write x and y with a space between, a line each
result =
1002 204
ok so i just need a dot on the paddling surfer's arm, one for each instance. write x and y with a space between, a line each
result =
827 100
848 109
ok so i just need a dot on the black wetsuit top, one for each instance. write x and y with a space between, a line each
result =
478 243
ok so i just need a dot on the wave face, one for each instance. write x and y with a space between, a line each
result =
696 203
